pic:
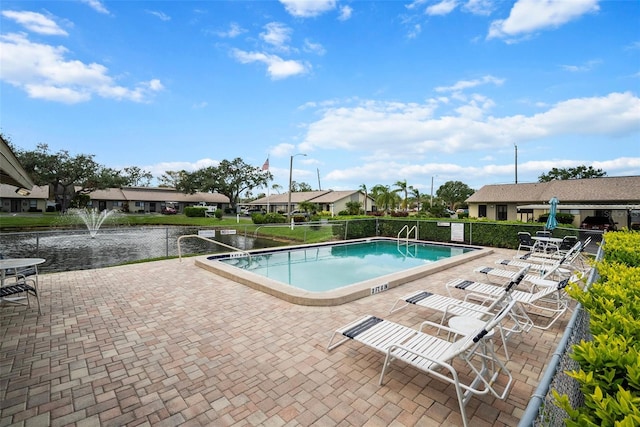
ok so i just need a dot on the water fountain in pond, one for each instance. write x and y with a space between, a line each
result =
92 218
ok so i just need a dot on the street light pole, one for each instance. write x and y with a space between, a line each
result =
431 191
291 180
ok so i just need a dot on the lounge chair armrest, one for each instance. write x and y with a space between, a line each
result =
437 326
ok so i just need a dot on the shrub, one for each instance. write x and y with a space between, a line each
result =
268 218
562 218
195 211
609 365
400 214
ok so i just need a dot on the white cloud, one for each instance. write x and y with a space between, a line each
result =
479 7
345 13
445 7
234 31
43 72
160 169
466 84
97 6
529 16
35 22
160 15
277 35
277 67
588 66
410 131
308 8
316 48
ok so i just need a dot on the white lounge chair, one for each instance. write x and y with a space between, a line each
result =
450 307
573 256
436 356
547 277
546 301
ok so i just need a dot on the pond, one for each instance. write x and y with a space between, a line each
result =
77 250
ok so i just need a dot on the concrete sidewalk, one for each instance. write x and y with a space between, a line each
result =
167 343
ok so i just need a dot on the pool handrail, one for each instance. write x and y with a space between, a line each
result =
209 240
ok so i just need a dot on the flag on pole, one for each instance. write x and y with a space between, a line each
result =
265 166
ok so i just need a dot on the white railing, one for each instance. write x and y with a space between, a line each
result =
209 240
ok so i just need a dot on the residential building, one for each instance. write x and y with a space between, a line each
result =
133 199
326 200
617 197
153 199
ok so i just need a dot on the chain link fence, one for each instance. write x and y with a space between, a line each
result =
542 411
75 249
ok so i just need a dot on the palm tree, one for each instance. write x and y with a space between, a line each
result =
417 197
384 197
402 187
364 188
276 188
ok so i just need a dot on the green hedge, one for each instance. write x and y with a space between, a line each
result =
609 365
484 233
194 211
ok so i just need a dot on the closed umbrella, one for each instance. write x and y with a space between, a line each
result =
552 222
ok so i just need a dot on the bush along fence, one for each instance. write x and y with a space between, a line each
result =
609 364
593 377
493 234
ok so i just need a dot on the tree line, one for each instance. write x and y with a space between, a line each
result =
71 176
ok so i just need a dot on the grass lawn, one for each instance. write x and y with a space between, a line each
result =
53 220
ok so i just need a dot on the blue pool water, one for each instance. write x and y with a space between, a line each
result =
328 267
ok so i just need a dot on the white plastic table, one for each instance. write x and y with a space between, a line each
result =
548 242
15 264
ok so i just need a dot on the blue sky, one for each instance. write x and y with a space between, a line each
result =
372 92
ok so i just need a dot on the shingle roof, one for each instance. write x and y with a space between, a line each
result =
621 189
319 196
156 194
37 192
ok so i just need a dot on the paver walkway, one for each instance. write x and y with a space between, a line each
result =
169 344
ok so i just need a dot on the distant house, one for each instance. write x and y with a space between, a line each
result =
618 197
135 199
153 199
33 200
327 200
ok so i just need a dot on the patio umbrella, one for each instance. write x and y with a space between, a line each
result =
552 222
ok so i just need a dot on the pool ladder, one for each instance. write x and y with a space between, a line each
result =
404 241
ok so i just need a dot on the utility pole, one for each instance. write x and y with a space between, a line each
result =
516 147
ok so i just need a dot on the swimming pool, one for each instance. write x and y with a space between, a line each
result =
338 272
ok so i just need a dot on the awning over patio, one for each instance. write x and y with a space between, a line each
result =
581 207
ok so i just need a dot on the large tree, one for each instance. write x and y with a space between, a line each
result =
137 177
231 178
454 192
68 176
579 172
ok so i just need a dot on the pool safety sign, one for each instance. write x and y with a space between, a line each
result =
207 233
457 232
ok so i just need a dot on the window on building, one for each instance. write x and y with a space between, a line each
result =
501 212
525 215
482 211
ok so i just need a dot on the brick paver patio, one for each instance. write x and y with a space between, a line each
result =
169 344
